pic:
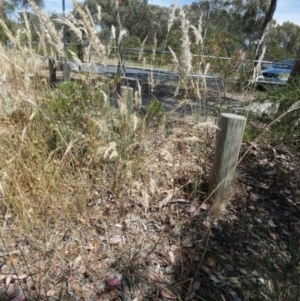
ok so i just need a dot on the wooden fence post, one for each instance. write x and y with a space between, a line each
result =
52 70
66 70
228 143
127 93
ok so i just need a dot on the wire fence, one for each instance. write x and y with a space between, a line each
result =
233 72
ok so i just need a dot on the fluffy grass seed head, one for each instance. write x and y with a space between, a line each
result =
122 104
138 97
98 13
154 47
198 31
151 82
53 36
172 15
186 55
91 31
113 33
15 41
74 25
28 31
142 48
42 40
122 34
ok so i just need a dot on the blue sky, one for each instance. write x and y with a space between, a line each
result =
287 10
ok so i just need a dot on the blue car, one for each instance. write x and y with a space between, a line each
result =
276 75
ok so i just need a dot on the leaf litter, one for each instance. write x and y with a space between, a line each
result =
120 251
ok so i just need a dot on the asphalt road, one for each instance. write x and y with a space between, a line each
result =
143 74
212 81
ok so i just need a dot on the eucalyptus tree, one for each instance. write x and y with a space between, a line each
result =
134 15
21 4
283 40
229 25
261 45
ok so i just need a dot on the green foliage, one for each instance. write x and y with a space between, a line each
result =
287 129
105 35
70 111
285 126
283 41
154 109
253 128
132 42
21 4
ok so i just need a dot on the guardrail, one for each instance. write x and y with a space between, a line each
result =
218 66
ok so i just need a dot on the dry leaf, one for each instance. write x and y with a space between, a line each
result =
154 277
270 285
273 235
211 262
76 262
76 287
12 261
235 296
103 297
82 269
196 285
191 209
214 278
87 295
51 293
271 224
166 200
187 242
252 251
206 223
204 206
113 294
286 233
172 256
115 240
168 294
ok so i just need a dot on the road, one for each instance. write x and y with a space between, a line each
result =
217 100
142 74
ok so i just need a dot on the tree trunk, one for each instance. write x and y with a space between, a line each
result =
261 47
292 82
295 73
121 65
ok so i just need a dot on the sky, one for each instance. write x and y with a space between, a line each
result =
287 10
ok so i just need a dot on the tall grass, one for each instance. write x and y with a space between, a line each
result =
80 179
90 192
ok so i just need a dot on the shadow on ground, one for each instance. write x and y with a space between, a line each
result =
253 252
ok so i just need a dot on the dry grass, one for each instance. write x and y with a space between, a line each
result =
100 203
81 194
87 190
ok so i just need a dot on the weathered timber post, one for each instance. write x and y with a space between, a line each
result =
127 94
52 70
228 143
66 70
